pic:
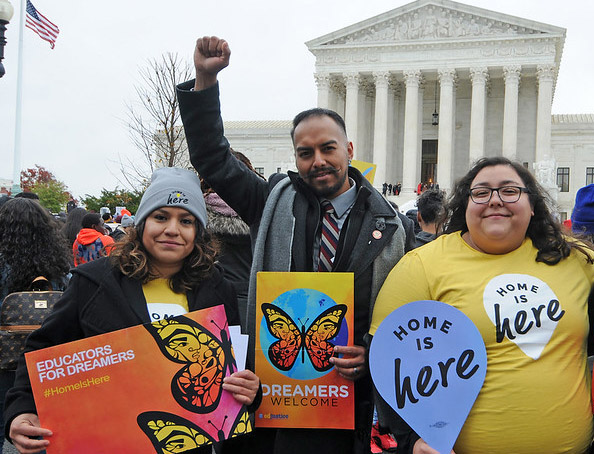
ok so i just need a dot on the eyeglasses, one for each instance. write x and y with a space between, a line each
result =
507 194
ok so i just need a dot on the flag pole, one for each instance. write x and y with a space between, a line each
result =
16 169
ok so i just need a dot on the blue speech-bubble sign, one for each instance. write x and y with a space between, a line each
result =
428 362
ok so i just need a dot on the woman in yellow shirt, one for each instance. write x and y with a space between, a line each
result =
506 264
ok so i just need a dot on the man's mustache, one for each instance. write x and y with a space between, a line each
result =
315 173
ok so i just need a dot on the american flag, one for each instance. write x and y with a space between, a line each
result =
41 25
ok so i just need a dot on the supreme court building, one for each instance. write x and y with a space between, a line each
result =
428 88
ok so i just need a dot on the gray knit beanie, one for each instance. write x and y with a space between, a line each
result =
173 187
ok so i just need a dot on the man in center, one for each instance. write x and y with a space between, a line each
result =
326 217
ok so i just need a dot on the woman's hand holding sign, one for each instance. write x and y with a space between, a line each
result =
23 428
423 448
352 365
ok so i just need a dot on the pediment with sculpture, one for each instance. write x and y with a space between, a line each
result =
433 22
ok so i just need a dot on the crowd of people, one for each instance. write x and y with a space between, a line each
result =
495 231
391 189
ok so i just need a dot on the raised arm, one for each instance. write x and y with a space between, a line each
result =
209 150
211 56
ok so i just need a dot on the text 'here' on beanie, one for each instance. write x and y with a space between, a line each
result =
173 187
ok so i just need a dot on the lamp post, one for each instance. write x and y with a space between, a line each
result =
6 12
435 115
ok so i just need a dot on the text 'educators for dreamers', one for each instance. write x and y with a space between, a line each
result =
300 318
160 383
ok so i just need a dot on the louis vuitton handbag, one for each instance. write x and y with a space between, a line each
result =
22 313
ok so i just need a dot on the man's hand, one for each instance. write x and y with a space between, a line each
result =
210 57
25 426
352 365
243 385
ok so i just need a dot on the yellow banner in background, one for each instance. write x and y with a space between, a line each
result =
367 169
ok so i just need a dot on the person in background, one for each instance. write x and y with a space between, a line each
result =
567 225
91 242
31 245
70 205
430 215
73 225
233 234
120 232
505 262
27 195
106 220
582 216
412 215
165 266
125 211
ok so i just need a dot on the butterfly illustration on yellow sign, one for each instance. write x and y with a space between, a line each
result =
300 318
367 169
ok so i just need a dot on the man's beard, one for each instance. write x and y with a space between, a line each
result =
325 191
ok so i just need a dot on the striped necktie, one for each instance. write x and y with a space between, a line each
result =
329 239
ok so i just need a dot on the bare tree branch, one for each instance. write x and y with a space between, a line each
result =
154 122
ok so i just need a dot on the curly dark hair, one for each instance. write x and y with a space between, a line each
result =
133 260
31 244
544 230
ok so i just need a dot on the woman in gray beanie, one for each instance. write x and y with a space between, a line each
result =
165 267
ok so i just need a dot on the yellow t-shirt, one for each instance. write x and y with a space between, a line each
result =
162 301
533 318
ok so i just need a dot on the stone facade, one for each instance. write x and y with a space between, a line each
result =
572 141
489 77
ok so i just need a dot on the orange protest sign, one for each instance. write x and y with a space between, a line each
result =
149 388
300 318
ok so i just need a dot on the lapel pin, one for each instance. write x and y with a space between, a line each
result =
377 234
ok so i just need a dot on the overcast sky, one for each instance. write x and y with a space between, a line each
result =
74 96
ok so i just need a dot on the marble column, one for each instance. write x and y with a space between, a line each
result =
394 159
337 96
352 106
411 158
545 75
511 75
478 112
380 129
323 83
445 138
